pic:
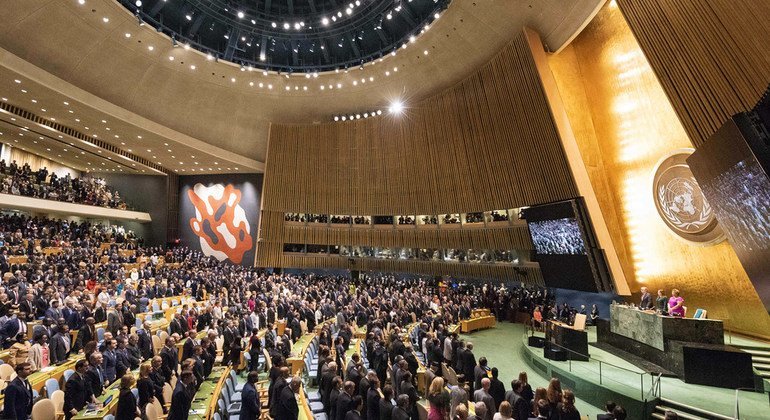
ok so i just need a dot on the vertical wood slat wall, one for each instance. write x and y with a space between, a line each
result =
487 143
712 57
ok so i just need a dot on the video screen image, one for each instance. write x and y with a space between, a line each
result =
557 237
741 199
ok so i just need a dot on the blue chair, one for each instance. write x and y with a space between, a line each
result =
216 416
67 374
320 416
100 334
51 385
135 391
109 417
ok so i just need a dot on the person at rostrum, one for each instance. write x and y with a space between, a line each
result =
676 304
181 399
77 392
250 407
645 302
18 394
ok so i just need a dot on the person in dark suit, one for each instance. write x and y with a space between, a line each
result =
250 397
386 407
87 333
522 408
287 401
408 389
469 363
497 389
77 393
93 377
609 406
181 399
344 401
145 341
401 410
355 413
189 345
645 302
11 329
127 407
170 358
61 345
110 362
373 400
18 394
158 380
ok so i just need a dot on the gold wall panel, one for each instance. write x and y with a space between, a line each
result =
712 56
624 124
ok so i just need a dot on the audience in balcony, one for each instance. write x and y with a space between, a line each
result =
450 219
474 217
499 216
22 180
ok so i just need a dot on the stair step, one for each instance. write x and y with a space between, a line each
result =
762 366
757 359
690 410
658 416
680 413
765 353
765 375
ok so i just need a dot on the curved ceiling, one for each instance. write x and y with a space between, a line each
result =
98 51
290 35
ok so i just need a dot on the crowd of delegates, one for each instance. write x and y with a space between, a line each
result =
73 290
22 180
450 219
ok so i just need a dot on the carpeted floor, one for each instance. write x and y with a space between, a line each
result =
502 347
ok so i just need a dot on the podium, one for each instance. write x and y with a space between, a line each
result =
692 349
565 342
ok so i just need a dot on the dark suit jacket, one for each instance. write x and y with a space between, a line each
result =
344 401
145 344
126 405
372 404
399 414
386 409
18 400
353 415
94 381
77 394
58 349
85 335
287 405
250 406
181 400
187 349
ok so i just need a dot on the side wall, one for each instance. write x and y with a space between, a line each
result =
711 57
624 124
145 193
488 143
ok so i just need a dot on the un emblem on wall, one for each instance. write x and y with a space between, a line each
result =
680 201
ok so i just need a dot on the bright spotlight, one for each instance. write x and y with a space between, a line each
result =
396 107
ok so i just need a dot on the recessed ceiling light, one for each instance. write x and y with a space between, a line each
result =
17 80
139 137
171 58
150 47
105 19
128 35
